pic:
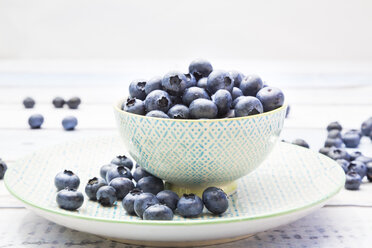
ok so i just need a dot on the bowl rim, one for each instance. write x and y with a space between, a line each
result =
120 102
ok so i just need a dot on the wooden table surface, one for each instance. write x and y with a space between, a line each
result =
317 96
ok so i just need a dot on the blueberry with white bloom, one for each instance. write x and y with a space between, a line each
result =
137 89
69 123
251 85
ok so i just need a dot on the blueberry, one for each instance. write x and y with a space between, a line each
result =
190 79
35 121
137 89
334 133
236 92
128 201
202 83
150 184
354 155
324 150
353 180
105 168
230 114
364 159
271 98
69 123
287 111
223 101
237 78
337 142
366 127
135 106
158 212
351 139
236 100
248 105
190 206
70 199
301 142
200 68
58 102
139 173
122 186
106 196
215 200
193 93
218 80
123 160
369 171
174 83
28 102
66 179
169 198
74 102
359 167
158 100
203 108
143 201
251 85
3 168
153 84
179 111
338 153
92 187
344 164
157 114
334 125
118 171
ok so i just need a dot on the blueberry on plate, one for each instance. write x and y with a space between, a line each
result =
344 164
338 153
215 200
248 105
354 155
92 187
58 102
200 68
364 159
251 85
143 201
190 80
3 168
353 180
128 201
218 80
336 142
366 127
105 168
179 111
150 184
158 100
174 83
139 173
66 179
223 101
106 196
123 161
69 123
157 114
271 98
203 108
153 84
359 167
324 150
351 139
202 83
137 89
369 171
334 125
169 198
236 92
122 186
28 102
74 102
190 206
158 212
193 93
118 171
334 134
237 78
70 199
301 142
35 121
135 106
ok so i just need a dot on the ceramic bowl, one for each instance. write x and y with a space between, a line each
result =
194 154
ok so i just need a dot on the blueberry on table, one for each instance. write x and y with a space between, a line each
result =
58 102
153 84
351 139
338 153
301 142
139 173
158 212
118 171
354 155
92 187
369 171
193 93
28 102
271 98
143 201
236 92
66 179
190 206
353 180
158 100
359 167
3 168
35 121
218 80
174 83
223 101
251 85
334 133
237 78
202 83
123 160
157 114
150 184
169 198
215 200
334 125
106 196
179 111
366 127
128 201
70 199
74 102
69 123
190 80
200 68
344 164
203 108
364 159
135 106
122 186
248 105
287 111
336 142
105 168
137 89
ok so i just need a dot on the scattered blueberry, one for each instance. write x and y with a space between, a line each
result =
237 78
143 201
223 100
106 196
150 184
215 200
271 98
69 123
193 93
153 84
337 142
203 108
179 111
134 105
158 100
66 179
344 164
158 212
338 153
74 102
169 198
359 167
236 92
200 68
353 180
137 89
190 206
366 127
301 142
369 171
334 133
251 85
123 160
202 83
351 139
174 83
218 80
324 150
190 80
28 102
248 105
139 173
157 114
92 187
70 199
3 168
354 155
118 171
35 121
128 201
58 102
334 125
105 168
122 186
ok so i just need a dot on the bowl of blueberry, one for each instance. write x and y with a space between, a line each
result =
202 128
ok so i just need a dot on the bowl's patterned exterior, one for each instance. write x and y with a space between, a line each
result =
200 152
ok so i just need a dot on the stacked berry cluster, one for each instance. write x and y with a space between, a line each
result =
202 93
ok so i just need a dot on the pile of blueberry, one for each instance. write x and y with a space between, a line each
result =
141 193
202 93
68 123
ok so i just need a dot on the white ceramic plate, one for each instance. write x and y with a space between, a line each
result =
290 184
